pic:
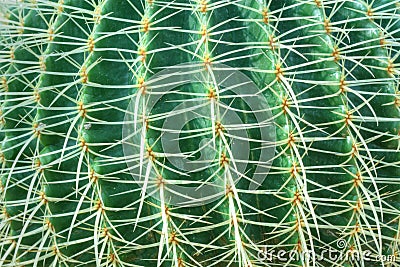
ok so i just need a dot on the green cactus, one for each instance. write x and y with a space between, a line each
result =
280 119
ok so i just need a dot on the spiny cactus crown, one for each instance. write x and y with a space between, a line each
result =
199 133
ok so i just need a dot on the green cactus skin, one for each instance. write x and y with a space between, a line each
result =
71 70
